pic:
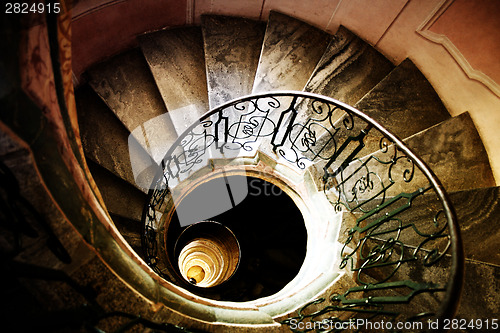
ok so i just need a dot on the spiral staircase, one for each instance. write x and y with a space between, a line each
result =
158 95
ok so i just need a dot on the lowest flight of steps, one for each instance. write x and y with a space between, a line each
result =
183 72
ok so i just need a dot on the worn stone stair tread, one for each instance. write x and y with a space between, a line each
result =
403 94
104 137
478 215
290 52
130 230
232 48
479 297
404 102
348 69
454 144
127 86
119 196
177 61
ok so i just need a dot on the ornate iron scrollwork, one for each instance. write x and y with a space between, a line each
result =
395 255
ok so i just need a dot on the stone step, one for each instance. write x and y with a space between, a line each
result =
177 62
127 86
348 69
119 196
403 94
290 52
131 230
232 48
480 296
452 150
479 299
478 215
404 102
104 137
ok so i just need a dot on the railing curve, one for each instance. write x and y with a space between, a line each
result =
404 242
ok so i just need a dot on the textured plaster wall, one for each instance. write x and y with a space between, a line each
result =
390 25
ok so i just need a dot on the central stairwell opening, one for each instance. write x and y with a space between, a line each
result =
270 231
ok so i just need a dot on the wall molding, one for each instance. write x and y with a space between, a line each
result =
472 73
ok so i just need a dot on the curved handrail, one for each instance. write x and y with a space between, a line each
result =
310 130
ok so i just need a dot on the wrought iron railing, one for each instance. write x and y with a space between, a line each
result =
403 245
